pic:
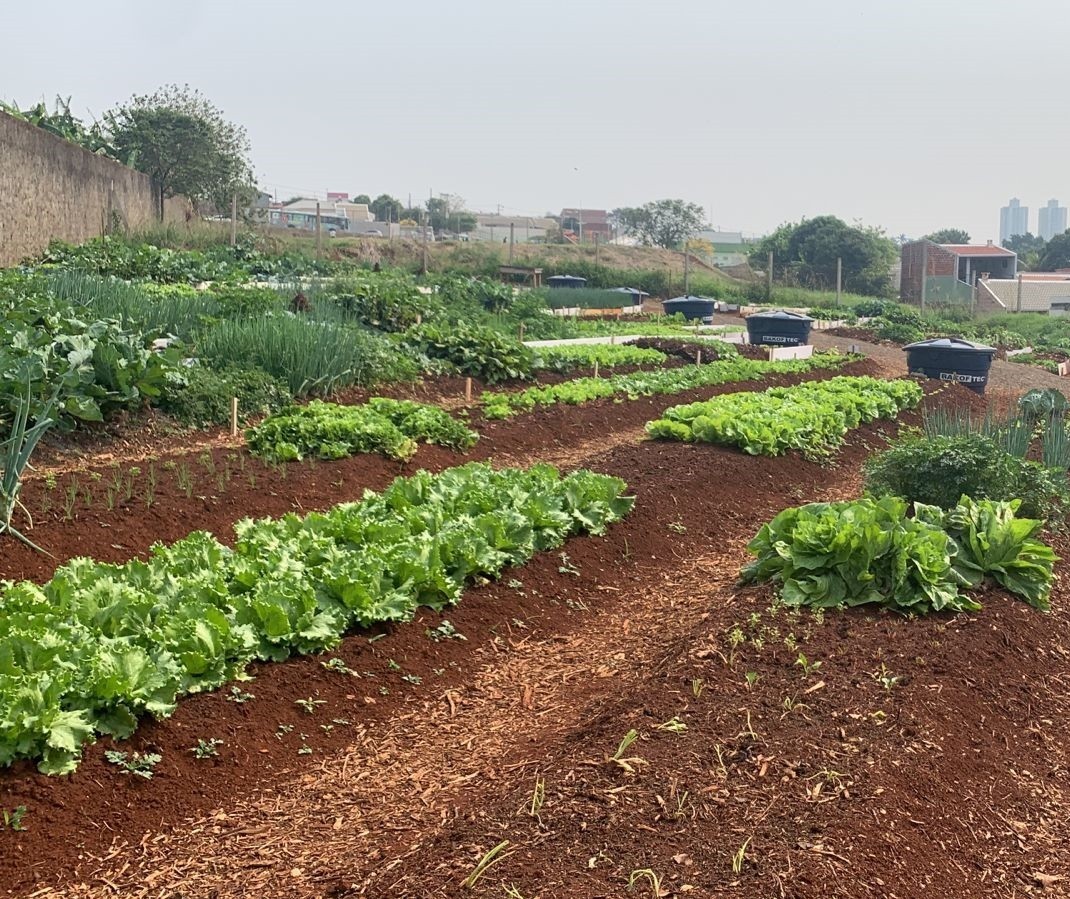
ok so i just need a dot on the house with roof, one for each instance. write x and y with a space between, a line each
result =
586 225
336 214
526 228
950 271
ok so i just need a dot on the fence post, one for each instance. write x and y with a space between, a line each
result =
924 271
839 279
233 416
234 220
769 278
1019 308
319 231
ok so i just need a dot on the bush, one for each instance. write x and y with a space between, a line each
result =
473 350
203 400
871 308
938 471
898 332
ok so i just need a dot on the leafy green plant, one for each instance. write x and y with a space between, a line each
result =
497 405
938 470
473 350
137 763
828 555
206 749
569 356
14 818
202 396
329 431
15 453
100 645
811 417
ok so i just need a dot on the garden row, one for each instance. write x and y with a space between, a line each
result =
100 645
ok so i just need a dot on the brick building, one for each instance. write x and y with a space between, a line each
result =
951 269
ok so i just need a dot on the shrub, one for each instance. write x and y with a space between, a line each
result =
898 332
203 397
871 308
938 471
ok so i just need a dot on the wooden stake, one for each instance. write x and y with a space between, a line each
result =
698 358
468 390
596 368
233 416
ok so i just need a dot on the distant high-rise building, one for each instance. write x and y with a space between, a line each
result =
1013 219
1052 220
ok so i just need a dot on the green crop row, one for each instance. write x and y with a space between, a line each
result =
100 645
649 383
330 431
607 355
871 551
812 418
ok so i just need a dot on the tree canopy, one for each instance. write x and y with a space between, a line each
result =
1029 248
183 143
806 254
661 223
949 235
386 209
362 198
1056 253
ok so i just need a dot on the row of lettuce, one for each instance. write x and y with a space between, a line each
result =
101 645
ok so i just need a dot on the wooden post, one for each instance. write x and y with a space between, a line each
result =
687 271
839 278
596 368
319 231
512 237
698 358
468 390
769 278
1019 305
233 416
596 236
419 319
234 220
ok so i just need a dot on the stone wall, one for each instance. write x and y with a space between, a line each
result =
51 188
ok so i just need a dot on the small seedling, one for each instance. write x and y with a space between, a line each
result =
492 857
284 729
239 696
677 527
698 684
339 666
137 763
625 744
566 566
631 764
885 678
445 631
648 875
393 666
310 704
807 666
514 584
538 797
206 749
740 857
305 750
674 725
752 678
13 819
413 679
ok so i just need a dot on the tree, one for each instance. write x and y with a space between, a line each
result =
806 254
1029 248
181 140
661 223
949 235
1056 254
386 209
362 198
447 213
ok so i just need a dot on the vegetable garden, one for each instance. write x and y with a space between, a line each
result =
663 619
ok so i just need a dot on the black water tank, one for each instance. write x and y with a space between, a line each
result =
693 308
779 328
951 359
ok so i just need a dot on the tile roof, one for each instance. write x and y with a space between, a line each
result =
964 249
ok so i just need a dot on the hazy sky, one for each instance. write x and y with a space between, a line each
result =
908 115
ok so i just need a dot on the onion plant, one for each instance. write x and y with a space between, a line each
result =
15 455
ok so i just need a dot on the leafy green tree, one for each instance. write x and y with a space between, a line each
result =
182 141
806 254
63 123
386 209
1029 248
949 235
1056 254
661 223
362 198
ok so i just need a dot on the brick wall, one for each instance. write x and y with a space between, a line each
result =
941 263
51 188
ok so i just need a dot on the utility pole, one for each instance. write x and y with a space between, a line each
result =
319 231
769 278
924 272
839 278
511 239
234 220
687 271
423 266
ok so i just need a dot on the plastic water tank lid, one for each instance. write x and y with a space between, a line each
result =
782 314
950 343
